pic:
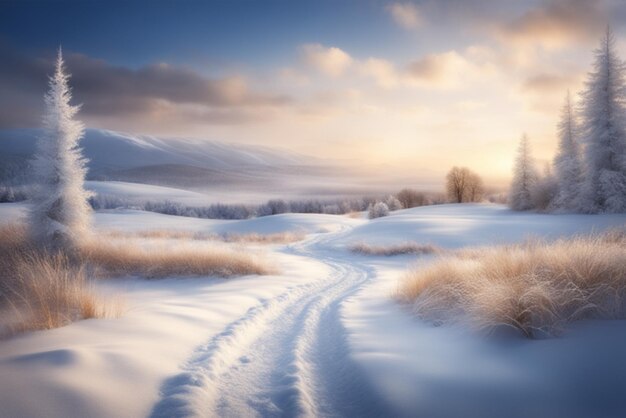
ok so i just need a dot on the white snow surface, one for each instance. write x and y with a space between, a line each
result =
323 338
146 192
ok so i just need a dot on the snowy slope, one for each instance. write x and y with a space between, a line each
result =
145 192
115 150
322 339
476 224
238 173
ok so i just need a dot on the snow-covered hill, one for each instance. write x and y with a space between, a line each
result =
323 338
108 150
190 163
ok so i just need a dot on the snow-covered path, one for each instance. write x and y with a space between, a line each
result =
288 356
323 338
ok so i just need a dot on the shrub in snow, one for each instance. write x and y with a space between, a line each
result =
378 210
524 178
60 214
273 207
535 287
410 198
332 209
393 203
603 117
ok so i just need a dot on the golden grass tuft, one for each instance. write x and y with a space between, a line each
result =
162 259
536 287
41 290
395 249
275 238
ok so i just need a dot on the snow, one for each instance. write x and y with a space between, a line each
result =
137 192
475 224
323 338
446 372
110 149
11 212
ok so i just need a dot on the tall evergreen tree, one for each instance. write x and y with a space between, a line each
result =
61 214
524 177
604 131
568 165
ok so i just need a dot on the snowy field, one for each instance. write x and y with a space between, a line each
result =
322 338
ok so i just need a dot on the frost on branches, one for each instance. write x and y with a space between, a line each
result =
603 116
568 165
377 210
60 216
524 178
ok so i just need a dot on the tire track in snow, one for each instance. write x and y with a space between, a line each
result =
288 356
196 386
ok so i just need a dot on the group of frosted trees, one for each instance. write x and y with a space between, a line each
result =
589 169
60 215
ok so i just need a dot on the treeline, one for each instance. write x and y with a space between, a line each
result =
406 198
10 194
588 173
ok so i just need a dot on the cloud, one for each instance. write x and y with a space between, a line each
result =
330 61
382 71
540 83
555 23
108 91
405 15
544 92
446 69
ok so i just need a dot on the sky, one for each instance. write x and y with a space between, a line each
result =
401 87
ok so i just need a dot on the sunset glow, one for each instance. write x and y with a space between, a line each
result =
416 86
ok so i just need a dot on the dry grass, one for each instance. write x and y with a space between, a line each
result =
161 259
40 290
354 215
397 249
535 287
43 290
276 238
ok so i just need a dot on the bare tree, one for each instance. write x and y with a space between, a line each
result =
456 182
462 185
475 189
411 198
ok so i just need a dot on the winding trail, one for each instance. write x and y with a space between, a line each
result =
287 356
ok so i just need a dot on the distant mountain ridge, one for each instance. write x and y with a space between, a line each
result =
163 161
115 150
205 165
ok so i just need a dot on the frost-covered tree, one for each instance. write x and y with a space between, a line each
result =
60 215
544 191
393 203
378 210
603 117
524 177
568 165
